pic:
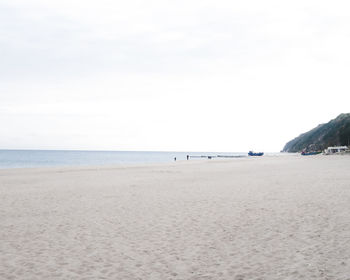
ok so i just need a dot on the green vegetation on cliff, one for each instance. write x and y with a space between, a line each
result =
334 133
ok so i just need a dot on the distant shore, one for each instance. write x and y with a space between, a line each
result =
273 217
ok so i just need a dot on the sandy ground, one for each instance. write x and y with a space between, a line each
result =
282 217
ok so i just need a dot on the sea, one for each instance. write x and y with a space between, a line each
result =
57 158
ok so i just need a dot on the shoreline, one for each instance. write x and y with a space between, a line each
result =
51 158
146 164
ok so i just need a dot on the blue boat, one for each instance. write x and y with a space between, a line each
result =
251 153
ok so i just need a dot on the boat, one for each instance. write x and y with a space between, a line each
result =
251 153
304 153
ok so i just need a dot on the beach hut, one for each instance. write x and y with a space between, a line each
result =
336 150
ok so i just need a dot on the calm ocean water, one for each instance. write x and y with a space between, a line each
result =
51 158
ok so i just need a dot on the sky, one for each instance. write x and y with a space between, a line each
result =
170 75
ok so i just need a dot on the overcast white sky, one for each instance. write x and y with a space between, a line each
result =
170 75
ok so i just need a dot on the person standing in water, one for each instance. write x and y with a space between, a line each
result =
174 158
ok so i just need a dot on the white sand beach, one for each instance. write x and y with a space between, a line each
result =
283 217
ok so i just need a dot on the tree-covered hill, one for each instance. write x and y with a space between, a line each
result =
334 133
